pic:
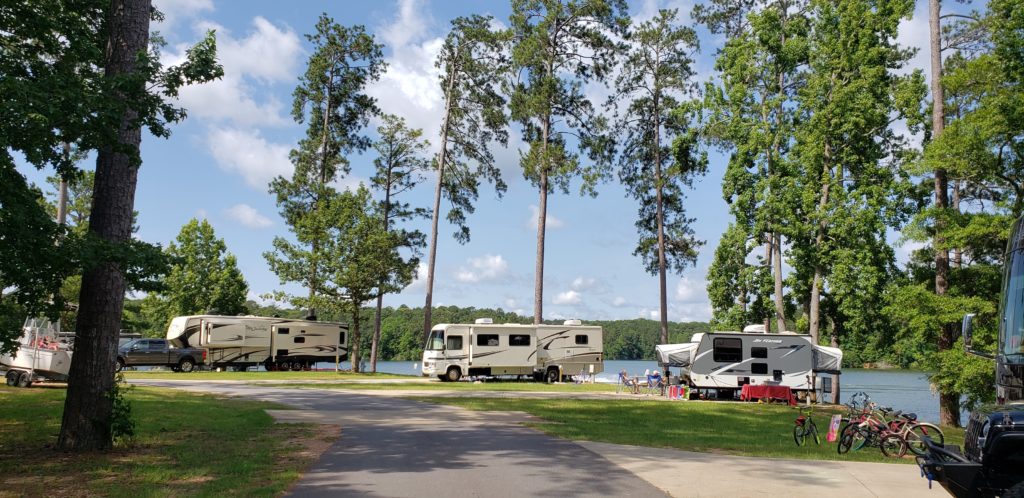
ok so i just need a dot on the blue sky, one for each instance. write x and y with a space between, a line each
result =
218 162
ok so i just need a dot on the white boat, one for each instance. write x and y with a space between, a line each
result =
43 353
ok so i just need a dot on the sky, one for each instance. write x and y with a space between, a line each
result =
239 131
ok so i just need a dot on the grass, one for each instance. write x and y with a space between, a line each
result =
461 386
208 375
185 445
729 428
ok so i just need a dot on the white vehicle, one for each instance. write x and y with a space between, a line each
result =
245 341
44 353
488 349
725 361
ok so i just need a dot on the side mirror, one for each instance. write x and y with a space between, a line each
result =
967 330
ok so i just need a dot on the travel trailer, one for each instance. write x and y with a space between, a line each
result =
245 341
44 353
488 349
725 361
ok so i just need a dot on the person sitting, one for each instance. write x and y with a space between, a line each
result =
629 383
655 381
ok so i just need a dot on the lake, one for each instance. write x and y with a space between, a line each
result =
905 390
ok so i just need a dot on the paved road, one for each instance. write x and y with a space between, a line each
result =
397 447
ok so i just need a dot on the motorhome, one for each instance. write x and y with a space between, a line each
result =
725 361
488 349
246 341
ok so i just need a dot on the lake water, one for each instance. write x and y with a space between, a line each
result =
905 390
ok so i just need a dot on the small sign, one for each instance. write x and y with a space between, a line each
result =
833 428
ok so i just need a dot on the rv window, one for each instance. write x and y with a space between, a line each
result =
300 340
282 330
436 340
455 342
582 339
487 340
519 340
728 349
759 353
759 368
341 337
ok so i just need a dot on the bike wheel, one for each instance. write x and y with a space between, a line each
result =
914 441
846 439
861 437
798 435
814 432
893 445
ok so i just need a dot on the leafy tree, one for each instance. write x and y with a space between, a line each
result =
474 117
655 72
359 259
78 199
557 47
111 93
330 99
400 165
732 283
204 278
751 114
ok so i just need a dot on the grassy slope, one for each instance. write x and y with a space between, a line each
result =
461 386
207 375
185 445
732 428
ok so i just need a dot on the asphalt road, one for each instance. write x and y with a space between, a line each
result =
396 447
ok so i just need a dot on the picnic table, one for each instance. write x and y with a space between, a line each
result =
750 391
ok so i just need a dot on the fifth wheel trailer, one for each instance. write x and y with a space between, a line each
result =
275 343
491 349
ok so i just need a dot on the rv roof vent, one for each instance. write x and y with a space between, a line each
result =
572 322
754 329
484 320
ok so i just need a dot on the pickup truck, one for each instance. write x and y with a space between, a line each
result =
156 352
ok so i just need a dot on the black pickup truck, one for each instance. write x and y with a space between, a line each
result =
156 352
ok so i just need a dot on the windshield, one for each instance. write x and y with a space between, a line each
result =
435 342
1011 326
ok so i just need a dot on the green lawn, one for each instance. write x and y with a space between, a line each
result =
461 386
185 445
207 375
731 428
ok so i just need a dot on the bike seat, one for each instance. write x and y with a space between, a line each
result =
910 416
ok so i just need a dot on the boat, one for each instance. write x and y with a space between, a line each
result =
43 353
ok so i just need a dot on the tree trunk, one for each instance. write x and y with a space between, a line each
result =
62 192
356 338
780 309
949 403
442 158
538 285
86 422
375 342
814 313
768 265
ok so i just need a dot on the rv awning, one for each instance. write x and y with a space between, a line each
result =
676 355
827 360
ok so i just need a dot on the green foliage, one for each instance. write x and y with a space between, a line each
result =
122 424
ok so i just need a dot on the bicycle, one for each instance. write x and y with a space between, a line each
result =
805 428
871 428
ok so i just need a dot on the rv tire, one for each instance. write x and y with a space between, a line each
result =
24 379
454 374
186 365
552 375
12 378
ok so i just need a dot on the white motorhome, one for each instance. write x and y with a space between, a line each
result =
275 343
725 361
489 349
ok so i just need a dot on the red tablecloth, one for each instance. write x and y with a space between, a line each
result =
750 392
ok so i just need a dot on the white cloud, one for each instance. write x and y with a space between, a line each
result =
420 281
619 302
583 283
568 297
247 153
268 54
201 214
248 216
689 291
485 268
177 10
551 222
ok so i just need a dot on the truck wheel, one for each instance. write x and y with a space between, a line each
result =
454 374
12 378
24 379
552 375
119 366
186 365
1016 491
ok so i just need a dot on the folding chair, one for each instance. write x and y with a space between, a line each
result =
655 382
627 383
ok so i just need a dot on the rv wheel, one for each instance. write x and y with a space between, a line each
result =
454 374
186 365
12 378
24 379
552 376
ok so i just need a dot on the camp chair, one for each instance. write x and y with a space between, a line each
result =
625 382
655 382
